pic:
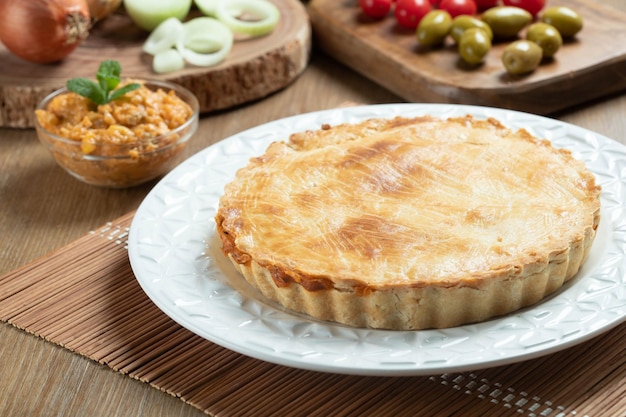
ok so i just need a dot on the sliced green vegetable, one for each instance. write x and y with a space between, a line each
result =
104 90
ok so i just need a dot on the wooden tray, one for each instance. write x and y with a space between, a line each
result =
591 66
253 69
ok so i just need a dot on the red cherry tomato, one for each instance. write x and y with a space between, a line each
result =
458 7
532 6
375 8
409 12
486 4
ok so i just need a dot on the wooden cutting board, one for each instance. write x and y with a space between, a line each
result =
254 68
590 66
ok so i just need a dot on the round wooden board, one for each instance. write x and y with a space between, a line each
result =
254 68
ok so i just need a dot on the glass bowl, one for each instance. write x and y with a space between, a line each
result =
122 165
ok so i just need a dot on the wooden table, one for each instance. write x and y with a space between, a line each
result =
42 208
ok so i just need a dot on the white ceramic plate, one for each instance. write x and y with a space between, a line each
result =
176 257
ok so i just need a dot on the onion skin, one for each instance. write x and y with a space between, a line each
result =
99 9
43 31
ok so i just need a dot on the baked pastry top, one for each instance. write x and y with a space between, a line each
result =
409 223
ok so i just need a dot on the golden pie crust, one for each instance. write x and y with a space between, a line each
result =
409 223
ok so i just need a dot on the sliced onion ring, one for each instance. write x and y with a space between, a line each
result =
204 45
167 61
213 32
164 36
226 11
207 7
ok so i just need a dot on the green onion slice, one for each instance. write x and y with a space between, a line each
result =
264 16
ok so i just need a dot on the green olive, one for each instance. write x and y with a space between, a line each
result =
567 21
474 45
434 27
546 36
506 21
521 56
463 22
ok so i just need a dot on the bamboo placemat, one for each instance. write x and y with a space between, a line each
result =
84 297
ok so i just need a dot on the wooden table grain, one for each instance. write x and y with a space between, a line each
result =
42 209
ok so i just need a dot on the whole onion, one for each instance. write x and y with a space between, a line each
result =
43 31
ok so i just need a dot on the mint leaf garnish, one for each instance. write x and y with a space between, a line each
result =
87 88
123 90
109 74
103 91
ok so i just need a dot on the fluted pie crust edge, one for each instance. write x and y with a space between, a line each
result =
416 302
